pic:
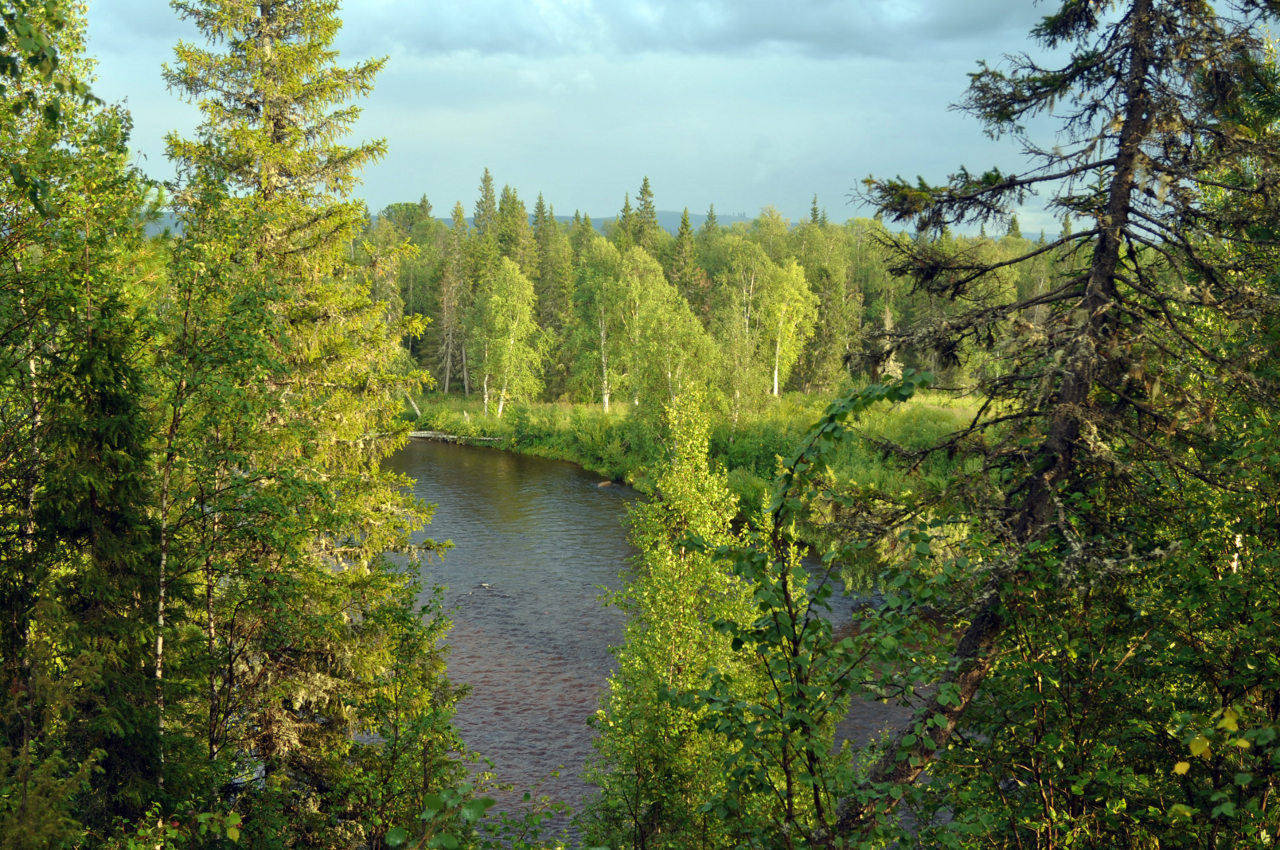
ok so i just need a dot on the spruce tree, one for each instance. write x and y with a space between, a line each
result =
1090 406
540 212
486 211
554 285
710 224
582 232
646 230
624 226
515 238
684 272
484 249
274 340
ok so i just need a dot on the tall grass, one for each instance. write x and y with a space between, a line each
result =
624 446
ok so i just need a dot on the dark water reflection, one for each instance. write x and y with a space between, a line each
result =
534 542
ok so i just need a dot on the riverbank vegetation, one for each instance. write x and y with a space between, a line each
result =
1053 458
623 446
1083 622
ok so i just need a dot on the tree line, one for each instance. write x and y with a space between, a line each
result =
205 643
524 307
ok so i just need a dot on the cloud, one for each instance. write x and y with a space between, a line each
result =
554 28
738 102
545 28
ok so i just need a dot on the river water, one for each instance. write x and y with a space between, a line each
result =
534 543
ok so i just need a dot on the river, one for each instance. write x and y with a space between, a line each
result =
534 543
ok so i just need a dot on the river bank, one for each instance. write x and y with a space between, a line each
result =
623 447
537 547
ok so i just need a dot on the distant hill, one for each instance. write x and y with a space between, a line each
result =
167 221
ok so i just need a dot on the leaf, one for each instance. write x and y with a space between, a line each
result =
233 833
474 809
396 836
1182 767
1200 746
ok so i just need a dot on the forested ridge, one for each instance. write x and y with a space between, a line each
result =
1048 462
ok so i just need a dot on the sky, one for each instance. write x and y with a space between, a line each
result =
738 103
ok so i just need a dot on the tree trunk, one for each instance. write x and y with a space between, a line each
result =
777 356
979 645
604 370
466 377
447 361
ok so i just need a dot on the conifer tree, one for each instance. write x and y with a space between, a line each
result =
79 713
515 238
554 295
646 231
275 341
684 272
1151 91
582 233
484 249
486 211
710 225
624 226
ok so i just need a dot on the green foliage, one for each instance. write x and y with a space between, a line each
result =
783 781
78 742
507 347
655 768
203 642
741 312
297 652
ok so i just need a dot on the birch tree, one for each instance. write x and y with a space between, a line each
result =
507 340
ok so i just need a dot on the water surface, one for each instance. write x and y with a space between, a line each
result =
534 542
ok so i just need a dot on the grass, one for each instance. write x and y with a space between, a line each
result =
625 447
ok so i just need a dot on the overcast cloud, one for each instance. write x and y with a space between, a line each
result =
741 103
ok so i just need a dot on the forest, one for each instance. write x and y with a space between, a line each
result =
1047 463
632 313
